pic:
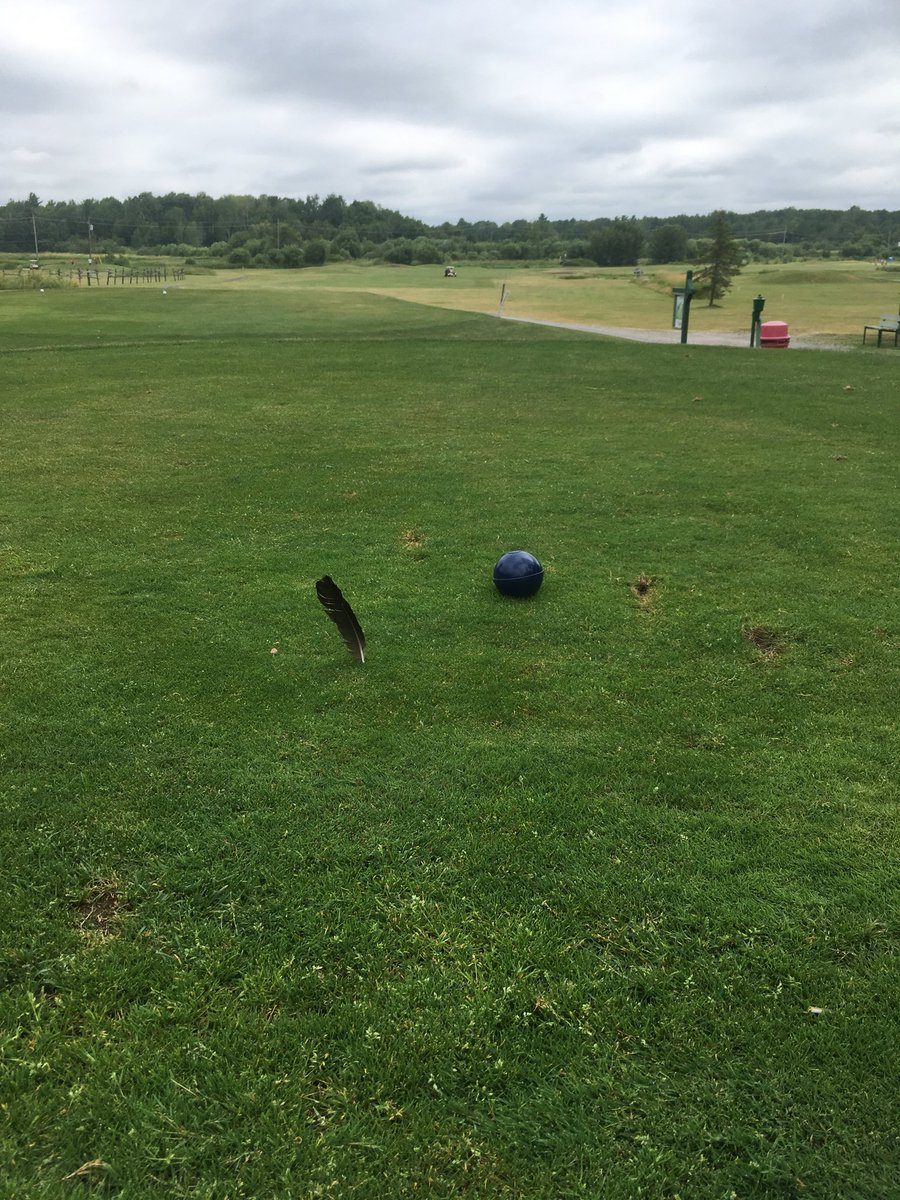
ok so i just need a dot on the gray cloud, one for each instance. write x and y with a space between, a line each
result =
583 108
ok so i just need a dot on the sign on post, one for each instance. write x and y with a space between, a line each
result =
681 305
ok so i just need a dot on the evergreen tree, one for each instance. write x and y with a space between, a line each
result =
722 261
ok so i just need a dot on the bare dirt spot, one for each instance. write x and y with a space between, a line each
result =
767 641
642 589
413 539
96 913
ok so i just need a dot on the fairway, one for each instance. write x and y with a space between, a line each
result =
824 302
587 895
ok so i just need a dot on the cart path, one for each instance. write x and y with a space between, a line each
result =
673 336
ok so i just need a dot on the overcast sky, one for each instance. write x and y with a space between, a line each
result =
489 109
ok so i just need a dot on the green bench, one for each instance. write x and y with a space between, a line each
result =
888 324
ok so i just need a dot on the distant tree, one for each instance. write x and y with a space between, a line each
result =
360 228
333 210
399 251
316 253
619 244
668 243
426 251
576 249
171 227
722 261
346 243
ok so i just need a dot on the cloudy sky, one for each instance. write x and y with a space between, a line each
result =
493 109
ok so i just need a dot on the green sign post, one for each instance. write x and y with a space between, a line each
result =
681 305
756 321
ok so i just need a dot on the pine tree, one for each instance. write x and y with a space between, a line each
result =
722 260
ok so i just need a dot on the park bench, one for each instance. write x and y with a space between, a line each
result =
888 324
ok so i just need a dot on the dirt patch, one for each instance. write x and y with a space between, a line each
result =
767 641
97 912
642 589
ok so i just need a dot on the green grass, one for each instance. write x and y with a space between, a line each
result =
534 903
827 300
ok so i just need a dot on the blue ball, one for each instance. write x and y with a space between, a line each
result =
518 573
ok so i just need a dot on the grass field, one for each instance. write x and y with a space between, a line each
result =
830 300
827 300
592 895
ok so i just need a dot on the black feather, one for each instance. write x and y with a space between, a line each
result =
343 616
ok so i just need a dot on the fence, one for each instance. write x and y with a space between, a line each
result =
34 277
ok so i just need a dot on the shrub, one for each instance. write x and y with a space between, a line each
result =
316 253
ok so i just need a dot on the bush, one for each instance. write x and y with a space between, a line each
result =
399 251
316 253
425 251
346 244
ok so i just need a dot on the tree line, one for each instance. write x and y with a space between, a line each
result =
277 231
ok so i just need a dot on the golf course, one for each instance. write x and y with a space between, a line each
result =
590 894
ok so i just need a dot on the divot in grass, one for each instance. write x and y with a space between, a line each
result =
767 641
97 913
642 589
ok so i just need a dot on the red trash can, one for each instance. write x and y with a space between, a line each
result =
774 334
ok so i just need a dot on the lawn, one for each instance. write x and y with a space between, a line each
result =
593 894
831 301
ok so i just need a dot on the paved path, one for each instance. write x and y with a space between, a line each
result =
673 336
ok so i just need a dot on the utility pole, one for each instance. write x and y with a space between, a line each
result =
34 228
90 243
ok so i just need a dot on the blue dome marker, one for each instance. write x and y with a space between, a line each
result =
518 573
